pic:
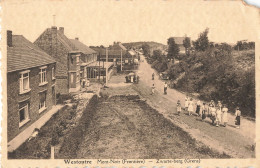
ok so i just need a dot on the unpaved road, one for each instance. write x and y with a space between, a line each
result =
126 127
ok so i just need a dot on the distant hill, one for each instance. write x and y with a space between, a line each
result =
139 44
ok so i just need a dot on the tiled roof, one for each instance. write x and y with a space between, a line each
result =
121 46
24 55
65 41
82 47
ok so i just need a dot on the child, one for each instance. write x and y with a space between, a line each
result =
203 110
178 107
237 114
153 88
190 107
224 115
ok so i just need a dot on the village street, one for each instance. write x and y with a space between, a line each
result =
129 122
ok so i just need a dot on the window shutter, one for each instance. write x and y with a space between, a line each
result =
21 85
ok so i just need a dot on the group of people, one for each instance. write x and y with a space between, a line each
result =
165 86
216 112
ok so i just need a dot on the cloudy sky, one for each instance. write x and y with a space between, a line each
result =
98 22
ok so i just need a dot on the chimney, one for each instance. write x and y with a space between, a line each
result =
77 38
9 38
61 30
54 30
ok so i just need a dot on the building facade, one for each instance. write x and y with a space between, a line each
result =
31 89
70 55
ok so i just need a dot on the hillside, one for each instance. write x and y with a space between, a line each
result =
140 43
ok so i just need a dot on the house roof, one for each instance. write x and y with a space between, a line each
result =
24 55
102 51
82 47
179 40
118 46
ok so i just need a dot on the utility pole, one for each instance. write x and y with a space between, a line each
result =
106 66
121 61
99 67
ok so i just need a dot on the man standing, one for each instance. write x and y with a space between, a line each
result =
165 88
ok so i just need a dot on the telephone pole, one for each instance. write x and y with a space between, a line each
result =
121 61
106 66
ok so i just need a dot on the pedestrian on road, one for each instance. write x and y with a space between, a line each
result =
186 103
190 108
218 116
237 120
153 76
153 88
179 107
213 115
83 82
165 88
224 115
203 111
211 105
198 108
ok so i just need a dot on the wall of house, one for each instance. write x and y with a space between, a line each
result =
14 98
49 43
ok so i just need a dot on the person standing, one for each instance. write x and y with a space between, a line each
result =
153 89
224 115
198 108
132 79
211 105
165 88
186 103
213 115
83 82
190 107
203 111
218 116
178 107
237 120
153 76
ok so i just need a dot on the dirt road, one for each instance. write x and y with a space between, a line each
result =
235 142
126 127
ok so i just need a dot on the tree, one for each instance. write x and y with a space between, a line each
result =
146 49
157 55
186 44
173 48
202 43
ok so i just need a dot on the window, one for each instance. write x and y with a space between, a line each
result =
53 73
23 114
43 77
42 104
24 82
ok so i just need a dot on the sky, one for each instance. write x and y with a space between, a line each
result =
101 22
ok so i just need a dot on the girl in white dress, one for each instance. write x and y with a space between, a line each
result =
224 115
218 116
190 107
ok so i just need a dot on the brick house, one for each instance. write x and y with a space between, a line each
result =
67 55
87 56
30 84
